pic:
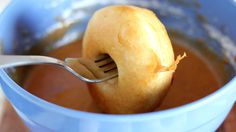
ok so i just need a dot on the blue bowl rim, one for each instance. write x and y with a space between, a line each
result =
228 87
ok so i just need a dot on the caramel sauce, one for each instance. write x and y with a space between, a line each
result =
193 80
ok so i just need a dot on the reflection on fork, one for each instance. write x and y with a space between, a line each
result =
85 70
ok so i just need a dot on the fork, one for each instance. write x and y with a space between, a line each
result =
104 67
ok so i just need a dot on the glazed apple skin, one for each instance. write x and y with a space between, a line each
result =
139 45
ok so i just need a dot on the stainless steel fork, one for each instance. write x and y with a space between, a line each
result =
77 66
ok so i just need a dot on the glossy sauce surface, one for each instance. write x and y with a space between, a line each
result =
193 80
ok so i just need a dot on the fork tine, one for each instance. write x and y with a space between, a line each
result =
106 64
108 70
102 58
114 68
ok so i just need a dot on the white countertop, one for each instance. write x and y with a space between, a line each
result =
3 4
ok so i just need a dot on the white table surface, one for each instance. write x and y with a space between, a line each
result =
3 4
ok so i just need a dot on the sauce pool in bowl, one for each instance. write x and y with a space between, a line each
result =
193 79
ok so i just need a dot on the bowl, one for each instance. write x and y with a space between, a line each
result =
24 23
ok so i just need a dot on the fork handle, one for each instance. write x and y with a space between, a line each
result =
21 60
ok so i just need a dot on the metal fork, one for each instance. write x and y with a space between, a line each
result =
79 67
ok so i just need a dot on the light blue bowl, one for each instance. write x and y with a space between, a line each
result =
34 17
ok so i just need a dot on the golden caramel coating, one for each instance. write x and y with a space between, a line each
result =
139 44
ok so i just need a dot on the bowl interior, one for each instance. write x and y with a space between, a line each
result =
27 27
